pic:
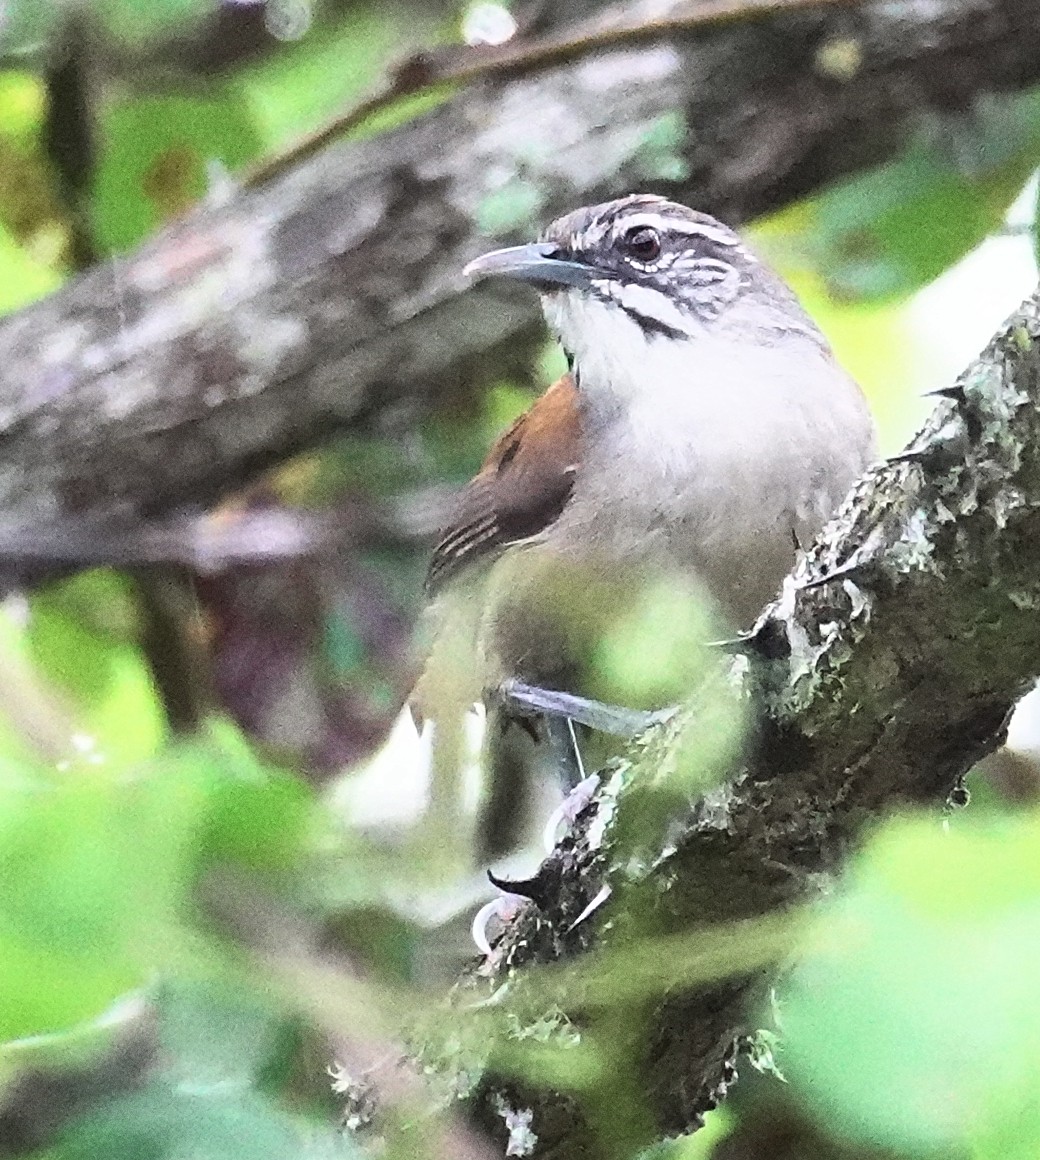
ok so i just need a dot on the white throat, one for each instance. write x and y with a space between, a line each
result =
612 353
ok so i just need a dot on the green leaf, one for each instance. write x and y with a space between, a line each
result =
93 875
22 106
28 24
257 816
156 159
512 207
306 82
96 869
137 21
892 230
654 651
168 1121
216 1034
220 1044
82 636
661 154
912 1024
22 279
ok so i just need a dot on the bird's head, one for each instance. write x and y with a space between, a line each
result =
640 276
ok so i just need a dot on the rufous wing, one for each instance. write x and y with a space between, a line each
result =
521 488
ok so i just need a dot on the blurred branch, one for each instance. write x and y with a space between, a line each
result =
464 64
173 643
332 296
69 131
888 669
204 543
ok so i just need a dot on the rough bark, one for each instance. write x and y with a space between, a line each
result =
887 670
259 326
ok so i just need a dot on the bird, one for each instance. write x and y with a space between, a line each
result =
703 434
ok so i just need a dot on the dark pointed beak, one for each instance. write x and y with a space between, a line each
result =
540 263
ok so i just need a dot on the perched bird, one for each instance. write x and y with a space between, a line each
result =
703 433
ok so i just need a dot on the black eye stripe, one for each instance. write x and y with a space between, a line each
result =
651 325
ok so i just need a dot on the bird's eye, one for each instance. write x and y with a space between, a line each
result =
642 243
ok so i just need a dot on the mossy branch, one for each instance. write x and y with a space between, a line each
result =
888 668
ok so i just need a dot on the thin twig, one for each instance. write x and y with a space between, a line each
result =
425 72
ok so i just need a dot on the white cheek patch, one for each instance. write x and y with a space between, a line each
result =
654 306
611 350
587 327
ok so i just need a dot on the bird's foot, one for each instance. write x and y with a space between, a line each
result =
491 920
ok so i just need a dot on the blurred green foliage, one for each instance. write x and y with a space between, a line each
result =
156 159
890 231
152 881
83 637
911 1021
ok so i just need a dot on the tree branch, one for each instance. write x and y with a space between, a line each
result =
333 295
887 670
428 71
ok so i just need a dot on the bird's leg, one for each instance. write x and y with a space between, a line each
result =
576 749
563 745
604 718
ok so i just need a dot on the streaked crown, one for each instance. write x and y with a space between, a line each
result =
673 272
666 266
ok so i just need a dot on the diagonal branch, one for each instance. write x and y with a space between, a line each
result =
331 297
430 71
888 669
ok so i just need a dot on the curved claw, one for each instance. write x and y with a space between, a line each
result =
503 908
567 811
